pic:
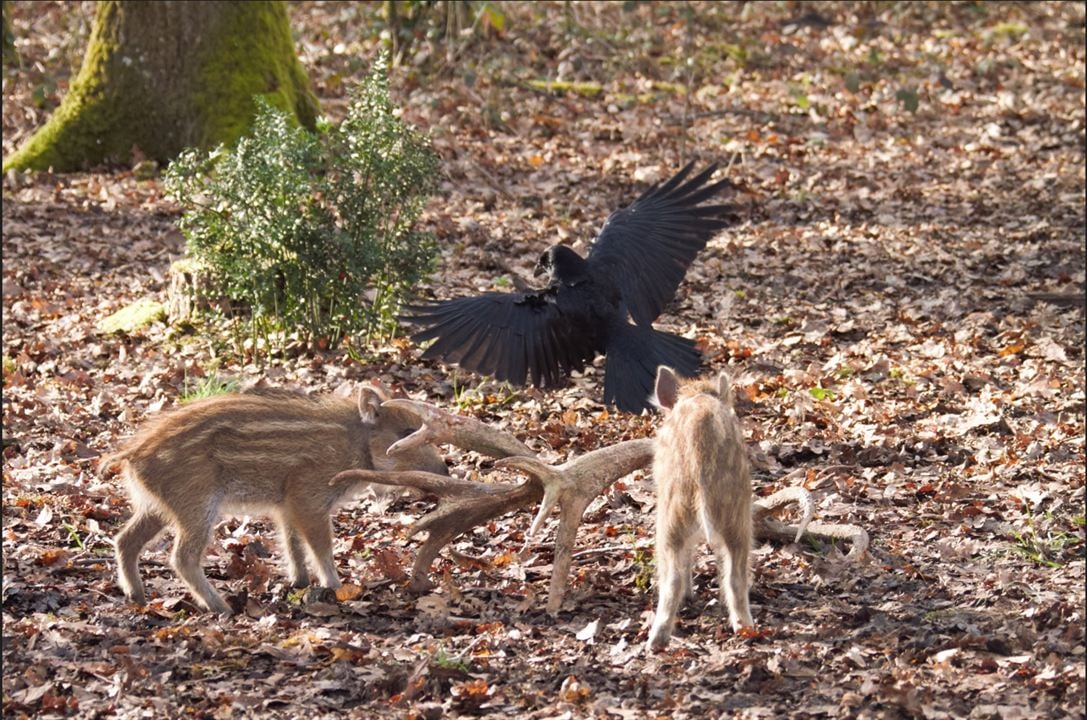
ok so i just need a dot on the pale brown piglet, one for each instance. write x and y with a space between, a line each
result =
703 492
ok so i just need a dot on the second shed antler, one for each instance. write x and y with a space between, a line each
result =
765 526
571 486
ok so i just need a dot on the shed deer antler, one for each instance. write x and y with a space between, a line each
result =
571 485
766 527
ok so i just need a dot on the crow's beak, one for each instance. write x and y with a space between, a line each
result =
539 270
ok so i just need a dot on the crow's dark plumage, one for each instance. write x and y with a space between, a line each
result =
633 269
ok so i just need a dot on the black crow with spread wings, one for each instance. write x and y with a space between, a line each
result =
632 269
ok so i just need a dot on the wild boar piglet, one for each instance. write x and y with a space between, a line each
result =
266 451
703 492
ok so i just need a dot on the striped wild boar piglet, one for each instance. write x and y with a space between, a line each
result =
265 451
703 492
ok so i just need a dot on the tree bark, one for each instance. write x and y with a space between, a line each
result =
10 56
160 76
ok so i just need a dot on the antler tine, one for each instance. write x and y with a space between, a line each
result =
534 467
551 478
860 543
797 494
425 434
455 517
857 536
765 526
439 426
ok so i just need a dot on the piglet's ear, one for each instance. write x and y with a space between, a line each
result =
666 388
369 401
724 388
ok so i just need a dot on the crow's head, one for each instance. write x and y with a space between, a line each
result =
560 263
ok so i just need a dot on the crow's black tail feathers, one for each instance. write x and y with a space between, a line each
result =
633 355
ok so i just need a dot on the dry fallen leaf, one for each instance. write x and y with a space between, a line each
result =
348 591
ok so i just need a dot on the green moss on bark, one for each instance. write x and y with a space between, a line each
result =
259 40
10 56
80 127
165 76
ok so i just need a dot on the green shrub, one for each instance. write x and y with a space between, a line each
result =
312 236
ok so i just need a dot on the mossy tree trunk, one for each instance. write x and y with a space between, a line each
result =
162 76
10 56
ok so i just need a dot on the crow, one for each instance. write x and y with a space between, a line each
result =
632 269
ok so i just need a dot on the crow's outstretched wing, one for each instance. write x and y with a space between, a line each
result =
512 336
647 246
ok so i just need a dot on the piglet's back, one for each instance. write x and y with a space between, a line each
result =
247 435
690 437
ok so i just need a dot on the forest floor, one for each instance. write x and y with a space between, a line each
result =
901 306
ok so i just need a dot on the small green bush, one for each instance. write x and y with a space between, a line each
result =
312 236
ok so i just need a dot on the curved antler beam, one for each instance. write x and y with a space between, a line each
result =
765 527
467 505
762 508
